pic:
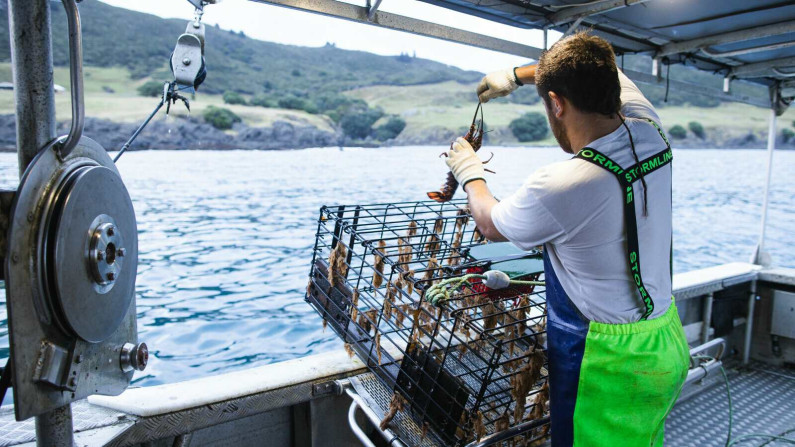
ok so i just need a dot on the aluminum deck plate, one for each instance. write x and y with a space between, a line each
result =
86 418
763 398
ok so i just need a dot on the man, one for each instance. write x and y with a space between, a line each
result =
617 352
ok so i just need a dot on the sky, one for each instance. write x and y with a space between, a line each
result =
283 25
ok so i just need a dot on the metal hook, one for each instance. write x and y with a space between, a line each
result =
197 17
199 4
67 144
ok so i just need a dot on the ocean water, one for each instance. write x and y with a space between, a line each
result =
226 237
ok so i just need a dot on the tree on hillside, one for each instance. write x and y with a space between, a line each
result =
296 103
677 132
263 101
358 123
333 103
390 129
696 128
530 127
151 88
234 98
220 118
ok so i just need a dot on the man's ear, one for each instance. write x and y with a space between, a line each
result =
557 104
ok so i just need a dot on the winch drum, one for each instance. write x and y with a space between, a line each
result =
91 220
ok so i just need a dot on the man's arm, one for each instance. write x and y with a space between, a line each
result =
521 218
526 74
468 170
504 82
633 103
481 201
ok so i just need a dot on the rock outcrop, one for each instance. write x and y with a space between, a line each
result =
190 133
194 133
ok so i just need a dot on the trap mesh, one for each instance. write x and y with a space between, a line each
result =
473 366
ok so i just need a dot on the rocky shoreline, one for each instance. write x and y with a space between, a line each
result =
189 133
193 133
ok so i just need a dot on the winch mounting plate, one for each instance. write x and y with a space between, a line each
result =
67 328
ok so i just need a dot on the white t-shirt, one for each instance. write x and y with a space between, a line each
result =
576 209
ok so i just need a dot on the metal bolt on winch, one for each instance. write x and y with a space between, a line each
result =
134 357
106 252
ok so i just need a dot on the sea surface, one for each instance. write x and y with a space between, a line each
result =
226 237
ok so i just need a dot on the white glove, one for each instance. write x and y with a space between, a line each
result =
463 163
496 84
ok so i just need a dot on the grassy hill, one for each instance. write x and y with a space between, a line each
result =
110 94
450 105
142 43
436 101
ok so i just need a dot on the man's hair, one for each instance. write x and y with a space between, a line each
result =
582 69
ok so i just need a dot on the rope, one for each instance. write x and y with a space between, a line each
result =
742 438
731 410
667 78
444 290
441 292
170 96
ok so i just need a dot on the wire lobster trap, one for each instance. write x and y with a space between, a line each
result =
472 365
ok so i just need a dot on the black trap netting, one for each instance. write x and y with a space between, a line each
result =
473 365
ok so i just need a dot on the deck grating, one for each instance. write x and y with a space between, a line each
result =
85 417
763 398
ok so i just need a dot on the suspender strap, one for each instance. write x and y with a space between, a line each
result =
626 177
668 145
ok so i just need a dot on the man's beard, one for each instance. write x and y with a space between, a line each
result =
559 131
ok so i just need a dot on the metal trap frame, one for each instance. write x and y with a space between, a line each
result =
473 366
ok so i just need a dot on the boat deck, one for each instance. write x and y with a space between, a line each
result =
277 401
763 402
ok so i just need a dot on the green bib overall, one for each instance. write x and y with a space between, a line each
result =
614 384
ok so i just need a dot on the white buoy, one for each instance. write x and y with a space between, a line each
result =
496 279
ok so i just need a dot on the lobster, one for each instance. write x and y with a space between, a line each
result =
475 138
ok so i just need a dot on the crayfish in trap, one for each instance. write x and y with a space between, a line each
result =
475 138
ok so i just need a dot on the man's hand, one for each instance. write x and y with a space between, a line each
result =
463 163
496 84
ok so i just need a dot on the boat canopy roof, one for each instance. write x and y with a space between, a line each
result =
737 39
